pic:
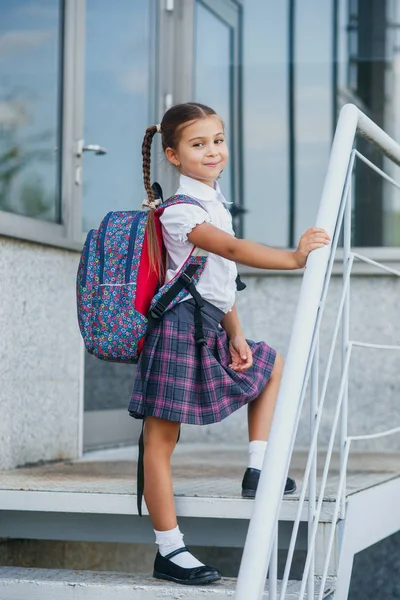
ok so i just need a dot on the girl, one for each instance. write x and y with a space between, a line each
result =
185 382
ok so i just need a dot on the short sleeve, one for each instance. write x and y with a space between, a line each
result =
229 228
180 219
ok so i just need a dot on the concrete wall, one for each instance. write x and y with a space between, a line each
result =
266 309
40 354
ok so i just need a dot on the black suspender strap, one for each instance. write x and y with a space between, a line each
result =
184 281
239 284
198 321
140 472
140 465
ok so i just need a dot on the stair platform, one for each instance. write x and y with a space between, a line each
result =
95 496
46 584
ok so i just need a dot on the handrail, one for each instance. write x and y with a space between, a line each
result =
263 524
375 264
313 442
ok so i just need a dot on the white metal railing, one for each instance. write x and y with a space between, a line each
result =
302 364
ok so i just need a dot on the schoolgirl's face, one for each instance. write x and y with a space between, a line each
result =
202 152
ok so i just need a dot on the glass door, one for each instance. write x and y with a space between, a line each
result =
118 106
217 83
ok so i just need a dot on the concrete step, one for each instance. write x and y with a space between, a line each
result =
206 483
93 498
45 584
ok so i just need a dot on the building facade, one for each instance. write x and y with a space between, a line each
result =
80 80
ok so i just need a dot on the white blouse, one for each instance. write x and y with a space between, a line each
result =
217 283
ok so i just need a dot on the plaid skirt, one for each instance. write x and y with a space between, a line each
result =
193 384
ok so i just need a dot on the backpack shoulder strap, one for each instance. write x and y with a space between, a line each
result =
183 199
179 199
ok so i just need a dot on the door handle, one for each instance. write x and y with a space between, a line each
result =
99 150
80 148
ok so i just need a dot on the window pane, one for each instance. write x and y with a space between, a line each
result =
391 197
117 105
266 116
313 101
265 125
212 67
368 40
369 76
117 111
29 57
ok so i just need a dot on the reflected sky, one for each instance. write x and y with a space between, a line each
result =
313 106
117 105
28 106
212 79
266 115
265 121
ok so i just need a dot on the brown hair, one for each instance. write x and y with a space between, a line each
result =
171 126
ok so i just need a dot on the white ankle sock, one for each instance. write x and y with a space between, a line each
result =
256 454
171 540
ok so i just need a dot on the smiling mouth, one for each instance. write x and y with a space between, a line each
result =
212 164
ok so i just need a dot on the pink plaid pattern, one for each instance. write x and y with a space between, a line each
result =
193 384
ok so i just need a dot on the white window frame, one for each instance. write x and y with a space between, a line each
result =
66 234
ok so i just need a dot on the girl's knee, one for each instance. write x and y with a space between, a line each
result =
160 434
278 365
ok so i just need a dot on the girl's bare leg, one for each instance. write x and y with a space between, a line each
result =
261 410
160 438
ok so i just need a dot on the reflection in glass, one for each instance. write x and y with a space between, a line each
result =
117 112
391 194
212 68
29 42
266 116
313 97
265 125
117 105
370 78
368 74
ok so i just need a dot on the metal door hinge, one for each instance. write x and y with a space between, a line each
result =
79 148
78 175
169 5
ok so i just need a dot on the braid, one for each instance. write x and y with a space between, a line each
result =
146 153
154 249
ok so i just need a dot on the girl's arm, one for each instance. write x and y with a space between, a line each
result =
249 253
231 324
241 355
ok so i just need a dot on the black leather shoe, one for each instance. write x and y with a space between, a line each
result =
250 483
166 569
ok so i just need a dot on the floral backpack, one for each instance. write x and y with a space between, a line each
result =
118 296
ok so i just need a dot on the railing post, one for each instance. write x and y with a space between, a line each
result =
273 569
312 489
345 339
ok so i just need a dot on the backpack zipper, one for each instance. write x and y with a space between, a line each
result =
103 235
86 256
132 238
